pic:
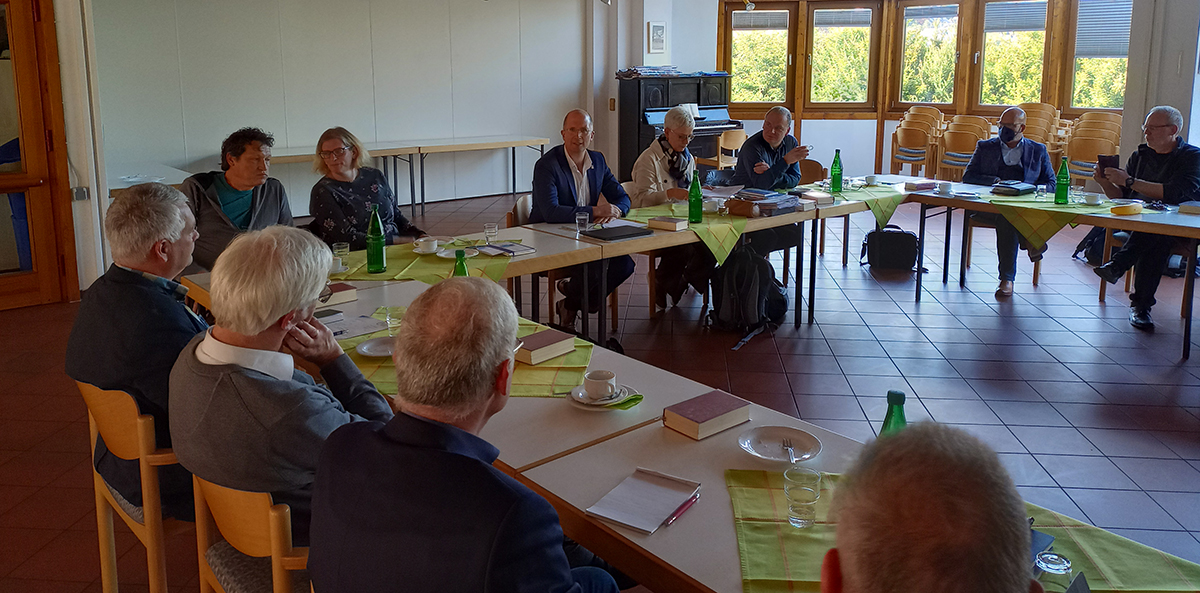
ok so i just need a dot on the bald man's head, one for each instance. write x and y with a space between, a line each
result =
577 133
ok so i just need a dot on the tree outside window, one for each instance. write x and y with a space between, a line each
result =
930 51
758 53
1014 38
841 55
1101 53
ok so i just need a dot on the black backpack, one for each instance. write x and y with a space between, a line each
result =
746 295
1092 246
890 248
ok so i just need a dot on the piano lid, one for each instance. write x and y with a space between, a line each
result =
713 115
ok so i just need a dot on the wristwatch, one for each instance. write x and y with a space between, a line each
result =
1129 182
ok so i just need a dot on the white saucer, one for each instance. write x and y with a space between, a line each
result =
579 399
424 252
376 347
449 253
340 270
766 442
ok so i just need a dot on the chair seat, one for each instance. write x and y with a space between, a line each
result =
239 573
134 512
906 150
909 159
962 156
954 163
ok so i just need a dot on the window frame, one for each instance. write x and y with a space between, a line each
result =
895 104
758 109
977 57
1066 87
873 66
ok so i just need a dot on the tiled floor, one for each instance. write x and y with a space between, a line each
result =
1093 419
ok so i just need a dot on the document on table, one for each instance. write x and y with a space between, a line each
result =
612 224
352 327
644 500
723 192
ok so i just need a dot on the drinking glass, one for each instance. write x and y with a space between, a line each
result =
490 230
1041 193
341 250
581 223
802 488
393 317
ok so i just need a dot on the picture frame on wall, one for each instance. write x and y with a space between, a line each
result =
656 37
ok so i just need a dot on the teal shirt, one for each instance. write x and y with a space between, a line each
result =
234 203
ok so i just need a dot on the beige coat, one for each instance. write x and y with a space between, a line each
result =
652 176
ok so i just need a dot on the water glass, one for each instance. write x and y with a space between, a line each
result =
393 317
581 222
341 250
802 488
1041 193
490 230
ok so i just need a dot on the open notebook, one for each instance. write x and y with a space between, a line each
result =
644 500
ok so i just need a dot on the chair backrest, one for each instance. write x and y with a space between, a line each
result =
922 117
116 417
958 141
242 518
519 215
628 187
1085 150
975 129
1037 135
733 139
1111 136
975 119
1099 124
922 125
1037 123
1101 115
927 110
811 171
1045 110
911 138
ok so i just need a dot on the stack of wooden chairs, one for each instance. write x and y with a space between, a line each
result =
1094 133
915 138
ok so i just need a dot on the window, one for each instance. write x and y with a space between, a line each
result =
1101 50
1014 42
840 56
930 54
759 50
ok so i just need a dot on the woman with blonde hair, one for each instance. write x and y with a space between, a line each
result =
341 200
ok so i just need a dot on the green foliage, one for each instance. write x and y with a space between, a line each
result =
759 66
929 55
1012 67
1099 82
840 60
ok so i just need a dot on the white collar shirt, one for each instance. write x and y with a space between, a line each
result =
583 190
212 351
1012 156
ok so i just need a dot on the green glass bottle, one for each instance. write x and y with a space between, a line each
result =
835 172
695 201
894 420
460 262
376 260
1062 185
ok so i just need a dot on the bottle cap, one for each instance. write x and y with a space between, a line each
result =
895 398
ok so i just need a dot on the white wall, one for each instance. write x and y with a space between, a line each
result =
1162 64
176 77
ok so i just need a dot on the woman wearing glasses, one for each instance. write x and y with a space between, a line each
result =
341 201
661 175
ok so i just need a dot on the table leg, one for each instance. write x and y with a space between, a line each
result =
536 301
514 173
601 319
946 251
583 305
1189 294
921 250
516 280
812 275
845 240
962 252
414 206
412 185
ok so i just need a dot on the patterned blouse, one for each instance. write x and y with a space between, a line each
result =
342 210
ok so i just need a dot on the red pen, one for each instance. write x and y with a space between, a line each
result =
687 504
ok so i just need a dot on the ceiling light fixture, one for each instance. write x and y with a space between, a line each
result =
749 4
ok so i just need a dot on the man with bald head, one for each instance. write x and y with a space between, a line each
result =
1010 156
571 179
929 508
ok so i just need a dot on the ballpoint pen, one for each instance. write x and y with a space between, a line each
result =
687 504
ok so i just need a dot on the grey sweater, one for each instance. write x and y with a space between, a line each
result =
269 206
244 429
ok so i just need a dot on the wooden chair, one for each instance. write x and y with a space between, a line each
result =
923 119
1041 110
975 119
244 542
129 434
954 152
1101 115
1111 136
519 216
1037 123
972 222
973 128
730 143
1102 124
911 146
930 111
1082 153
810 172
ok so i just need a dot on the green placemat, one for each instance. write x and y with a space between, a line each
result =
882 199
398 257
552 378
404 264
778 557
718 232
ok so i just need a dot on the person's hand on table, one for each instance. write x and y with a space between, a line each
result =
677 194
795 155
404 239
312 341
761 167
1114 176
602 213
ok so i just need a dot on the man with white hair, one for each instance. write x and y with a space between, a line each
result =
415 504
929 508
1165 169
132 324
242 415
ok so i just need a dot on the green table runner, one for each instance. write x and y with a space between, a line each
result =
1037 221
881 199
777 557
719 232
404 264
552 378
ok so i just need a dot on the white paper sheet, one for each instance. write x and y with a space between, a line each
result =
356 326
644 500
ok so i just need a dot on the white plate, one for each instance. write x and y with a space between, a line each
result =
766 442
1124 201
966 195
142 178
424 252
449 253
376 347
442 239
340 270
579 399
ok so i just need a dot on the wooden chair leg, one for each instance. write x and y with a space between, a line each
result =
1129 278
821 243
1109 243
845 240
1037 271
652 289
108 545
614 307
787 258
970 241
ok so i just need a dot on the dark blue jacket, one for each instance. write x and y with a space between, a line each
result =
984 168
127 335
554 198
415 505
756 150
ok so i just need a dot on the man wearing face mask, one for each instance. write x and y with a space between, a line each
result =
1009 157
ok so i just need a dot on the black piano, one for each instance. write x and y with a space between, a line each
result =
645 102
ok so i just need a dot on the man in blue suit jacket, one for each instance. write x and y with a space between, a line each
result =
567 180
415 504
1009 157
132 324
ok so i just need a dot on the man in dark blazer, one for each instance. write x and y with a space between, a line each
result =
415 504
132 324
570 179
1009 157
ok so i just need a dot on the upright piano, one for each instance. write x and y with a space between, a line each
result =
645 102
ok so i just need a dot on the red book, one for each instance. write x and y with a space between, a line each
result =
539 347
706 415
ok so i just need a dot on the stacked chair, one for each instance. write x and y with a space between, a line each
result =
731 142
954 152
915 138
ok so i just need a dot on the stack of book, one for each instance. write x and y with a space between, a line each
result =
754 195
820 197
919 185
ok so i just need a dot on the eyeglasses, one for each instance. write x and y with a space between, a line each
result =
1147 127
687 137
335 153
776 129
518 347
326 293
578 131
1012 127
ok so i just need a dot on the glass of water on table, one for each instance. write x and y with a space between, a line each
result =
581 223
490 231
802 488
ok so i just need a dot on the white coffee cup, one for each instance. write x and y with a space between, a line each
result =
943 187
336 265
425 245
869 180
1093 199
711 206
599 384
